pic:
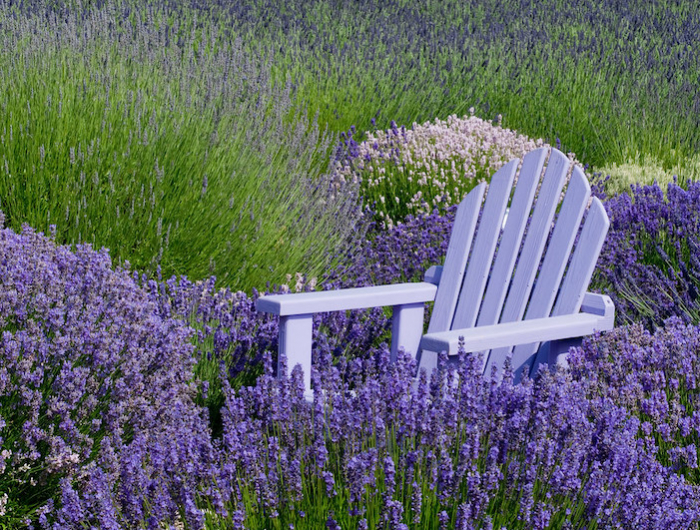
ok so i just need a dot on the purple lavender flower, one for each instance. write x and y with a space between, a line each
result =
653 240
101 385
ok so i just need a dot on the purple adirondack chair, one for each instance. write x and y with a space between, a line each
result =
518 302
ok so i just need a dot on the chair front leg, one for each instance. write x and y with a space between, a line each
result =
559 351
406 328
554 353
295 343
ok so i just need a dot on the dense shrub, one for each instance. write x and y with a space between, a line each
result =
655 377
646 170
413 171
612 79
90 376
391 454
649 264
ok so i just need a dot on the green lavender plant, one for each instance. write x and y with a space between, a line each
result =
182 157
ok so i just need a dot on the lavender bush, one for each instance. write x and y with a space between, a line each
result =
471 454
385 454
89 377
230 335
101 373
411 171
653 241
655 378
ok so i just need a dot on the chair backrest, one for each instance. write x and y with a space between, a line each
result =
494 275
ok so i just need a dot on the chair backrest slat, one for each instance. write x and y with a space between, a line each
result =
559 248
556 257
456 260
583 261
520 208
485 242
536 237
531 254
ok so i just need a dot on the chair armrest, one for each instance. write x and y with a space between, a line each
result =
344 299
433 275
515 333
598 304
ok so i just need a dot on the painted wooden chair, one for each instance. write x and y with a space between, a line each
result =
519 302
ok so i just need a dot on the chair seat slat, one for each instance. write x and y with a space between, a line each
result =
478 338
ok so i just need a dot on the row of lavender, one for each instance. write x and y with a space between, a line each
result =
118 410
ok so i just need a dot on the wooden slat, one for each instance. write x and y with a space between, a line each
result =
583 260
479 265
512 236
529 259
549 278
559 248
344 299
526 266
456 259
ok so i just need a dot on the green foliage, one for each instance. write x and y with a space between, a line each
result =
161 114
165 162
601 79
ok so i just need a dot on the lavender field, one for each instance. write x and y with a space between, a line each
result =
163 164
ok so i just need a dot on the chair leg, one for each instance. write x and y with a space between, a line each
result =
554 353
406 328
427 360
559 351
295 343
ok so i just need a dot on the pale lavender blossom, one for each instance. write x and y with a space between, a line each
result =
437 161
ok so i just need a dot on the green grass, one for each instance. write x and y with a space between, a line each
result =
602 108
